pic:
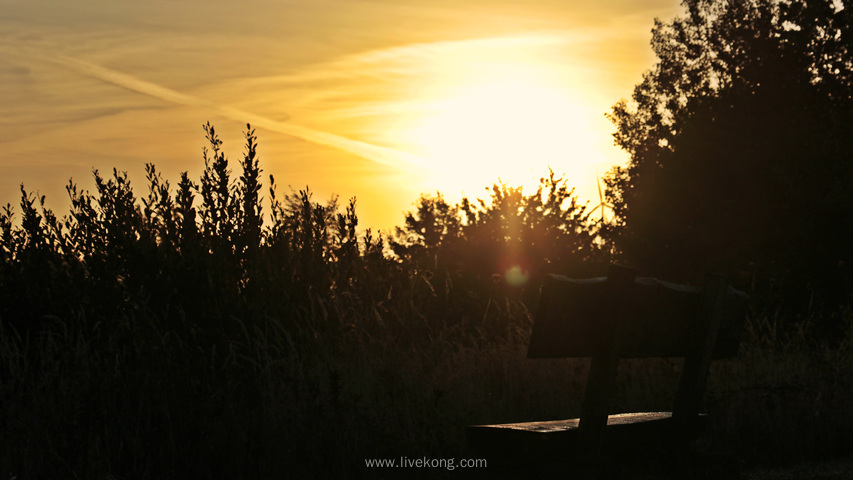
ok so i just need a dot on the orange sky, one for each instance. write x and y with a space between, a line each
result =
381 100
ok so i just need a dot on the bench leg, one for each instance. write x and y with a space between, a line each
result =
602 371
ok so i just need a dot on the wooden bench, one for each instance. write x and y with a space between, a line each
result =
621 316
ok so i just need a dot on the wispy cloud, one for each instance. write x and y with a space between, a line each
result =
382 155
397 84
403 58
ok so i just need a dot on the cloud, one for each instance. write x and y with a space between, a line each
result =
402 82
402 58
375 153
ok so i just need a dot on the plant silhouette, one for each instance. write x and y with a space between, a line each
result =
740 150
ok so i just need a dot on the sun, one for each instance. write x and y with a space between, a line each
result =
509 129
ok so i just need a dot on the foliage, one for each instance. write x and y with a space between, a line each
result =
195 264
511 240
178 335
740 148
174 322
205 264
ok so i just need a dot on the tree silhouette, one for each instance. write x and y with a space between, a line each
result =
508 242
741 157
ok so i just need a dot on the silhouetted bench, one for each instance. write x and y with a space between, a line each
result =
621 316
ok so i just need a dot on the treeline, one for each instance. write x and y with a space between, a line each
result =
202 254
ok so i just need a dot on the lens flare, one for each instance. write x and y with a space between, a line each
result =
516 276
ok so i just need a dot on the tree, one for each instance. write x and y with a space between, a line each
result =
740 153
523 237
435 223
511 240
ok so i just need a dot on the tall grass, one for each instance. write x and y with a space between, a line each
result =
179 336
255 408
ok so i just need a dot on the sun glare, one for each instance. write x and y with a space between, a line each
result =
510 129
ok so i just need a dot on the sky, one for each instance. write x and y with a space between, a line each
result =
382 100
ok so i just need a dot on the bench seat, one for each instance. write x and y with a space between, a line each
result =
514 443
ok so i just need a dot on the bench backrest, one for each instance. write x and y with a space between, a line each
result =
576 318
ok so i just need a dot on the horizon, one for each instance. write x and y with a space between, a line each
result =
379 101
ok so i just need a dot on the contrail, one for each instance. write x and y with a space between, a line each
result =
382 155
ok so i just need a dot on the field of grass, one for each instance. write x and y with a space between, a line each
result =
121 407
